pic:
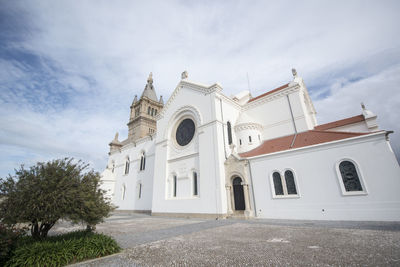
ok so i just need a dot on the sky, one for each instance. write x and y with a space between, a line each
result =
69 70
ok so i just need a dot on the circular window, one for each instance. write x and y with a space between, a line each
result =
185 132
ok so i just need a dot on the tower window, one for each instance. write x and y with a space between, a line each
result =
155 112
127 163
240 141
249 139
228 124
148 110
142 162
140 191
152 111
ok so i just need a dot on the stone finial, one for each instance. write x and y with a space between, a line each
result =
135 99
161 100
232 147
150 79
294 72
363 106
184 75
116 137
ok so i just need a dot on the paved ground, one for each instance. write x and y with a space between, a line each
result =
156 241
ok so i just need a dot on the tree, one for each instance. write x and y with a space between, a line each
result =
48 192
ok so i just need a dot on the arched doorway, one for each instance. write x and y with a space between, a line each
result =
238 193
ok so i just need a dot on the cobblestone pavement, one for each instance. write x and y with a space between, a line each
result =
157 241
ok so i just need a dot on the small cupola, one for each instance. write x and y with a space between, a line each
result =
248 133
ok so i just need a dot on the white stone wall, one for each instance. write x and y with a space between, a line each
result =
131 181
318 182
205 154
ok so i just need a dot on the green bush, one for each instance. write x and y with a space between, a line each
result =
9 236
62 249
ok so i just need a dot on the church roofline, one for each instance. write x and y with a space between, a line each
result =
191 85
269 92
308 139
340 123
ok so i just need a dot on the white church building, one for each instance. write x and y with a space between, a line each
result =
205 154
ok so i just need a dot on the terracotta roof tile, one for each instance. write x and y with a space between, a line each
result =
303 139
339 123
270 92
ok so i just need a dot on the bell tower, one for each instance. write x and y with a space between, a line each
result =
142 120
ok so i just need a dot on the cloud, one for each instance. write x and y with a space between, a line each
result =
378 92
69 70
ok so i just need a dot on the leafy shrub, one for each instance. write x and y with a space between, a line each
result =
47 192
9 236
62 249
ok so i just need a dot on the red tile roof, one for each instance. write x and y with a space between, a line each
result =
270 92
339 123
303 139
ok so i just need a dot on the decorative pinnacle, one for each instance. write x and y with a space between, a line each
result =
294 72
116 137
362 106
150 79
184 75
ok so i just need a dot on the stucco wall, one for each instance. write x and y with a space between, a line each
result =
318 184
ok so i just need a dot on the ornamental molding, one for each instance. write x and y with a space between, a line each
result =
281 93
221 96
190 85
248 126
187 110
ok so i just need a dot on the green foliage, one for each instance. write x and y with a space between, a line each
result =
62 249
47 192
9 235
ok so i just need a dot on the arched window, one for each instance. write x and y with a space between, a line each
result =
350 177
174 186
240 141
249 139
127 163
155 112
148 110
195 185
284 184
290 184
140 191
228 124
142 161
152 111
277 183
123 189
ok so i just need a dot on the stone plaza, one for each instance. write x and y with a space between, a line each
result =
161 241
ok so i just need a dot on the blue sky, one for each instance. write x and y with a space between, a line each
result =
70 69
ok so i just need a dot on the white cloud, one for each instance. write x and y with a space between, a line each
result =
88 59
378 92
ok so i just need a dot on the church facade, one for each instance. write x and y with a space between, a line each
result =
205 154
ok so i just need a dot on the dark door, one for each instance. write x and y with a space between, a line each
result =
238 193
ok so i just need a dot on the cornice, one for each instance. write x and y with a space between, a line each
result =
293 87
220 95
248 126
191 85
